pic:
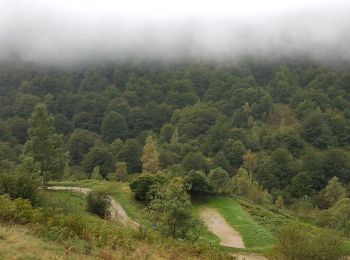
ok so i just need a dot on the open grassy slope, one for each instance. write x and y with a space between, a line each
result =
23 242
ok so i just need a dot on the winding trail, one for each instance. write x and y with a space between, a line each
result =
117 211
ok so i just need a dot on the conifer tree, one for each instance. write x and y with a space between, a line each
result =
44 147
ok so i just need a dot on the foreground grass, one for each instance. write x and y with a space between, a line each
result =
47 235
255 237
16 242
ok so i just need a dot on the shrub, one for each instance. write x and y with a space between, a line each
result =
298 242
20 184
143 186
99 203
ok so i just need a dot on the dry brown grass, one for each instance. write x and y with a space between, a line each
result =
17 243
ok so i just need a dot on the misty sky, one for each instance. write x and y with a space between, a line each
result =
80 30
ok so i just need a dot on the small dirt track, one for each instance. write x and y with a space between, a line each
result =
117 211
218 226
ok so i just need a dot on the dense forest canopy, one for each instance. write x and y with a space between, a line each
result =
287 123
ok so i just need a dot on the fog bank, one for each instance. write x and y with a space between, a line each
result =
79 31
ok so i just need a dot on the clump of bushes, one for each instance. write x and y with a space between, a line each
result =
20 184
299 242
144 186
99 203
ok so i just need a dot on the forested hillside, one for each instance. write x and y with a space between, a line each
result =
287 125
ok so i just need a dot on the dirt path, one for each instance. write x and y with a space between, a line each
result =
117 211
218 226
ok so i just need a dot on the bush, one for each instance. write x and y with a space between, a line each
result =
99 203
143 186
298 242
20 184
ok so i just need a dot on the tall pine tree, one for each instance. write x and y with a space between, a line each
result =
44 147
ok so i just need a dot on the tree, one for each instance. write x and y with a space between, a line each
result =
171 211
63 125
250 162
44 146
150 156
221 161
131 154
234 151
166 133
121 170
333 192
276 171
197 182
245 186
79 144
279 202
316 131
219 180
114 126
195 161
101 157
96 173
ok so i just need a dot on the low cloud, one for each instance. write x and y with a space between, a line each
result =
80 31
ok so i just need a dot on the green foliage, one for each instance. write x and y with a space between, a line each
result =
197 182
171 211
131 155
276 171
150 156
144 185
279 202
293 116
337 217
101 157
243 185
44 146
333 192
234 151
121 170
99 203
79 144
20 184
114 126
296 242
219 180
96 173
195 161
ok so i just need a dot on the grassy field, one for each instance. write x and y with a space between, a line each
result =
255 236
